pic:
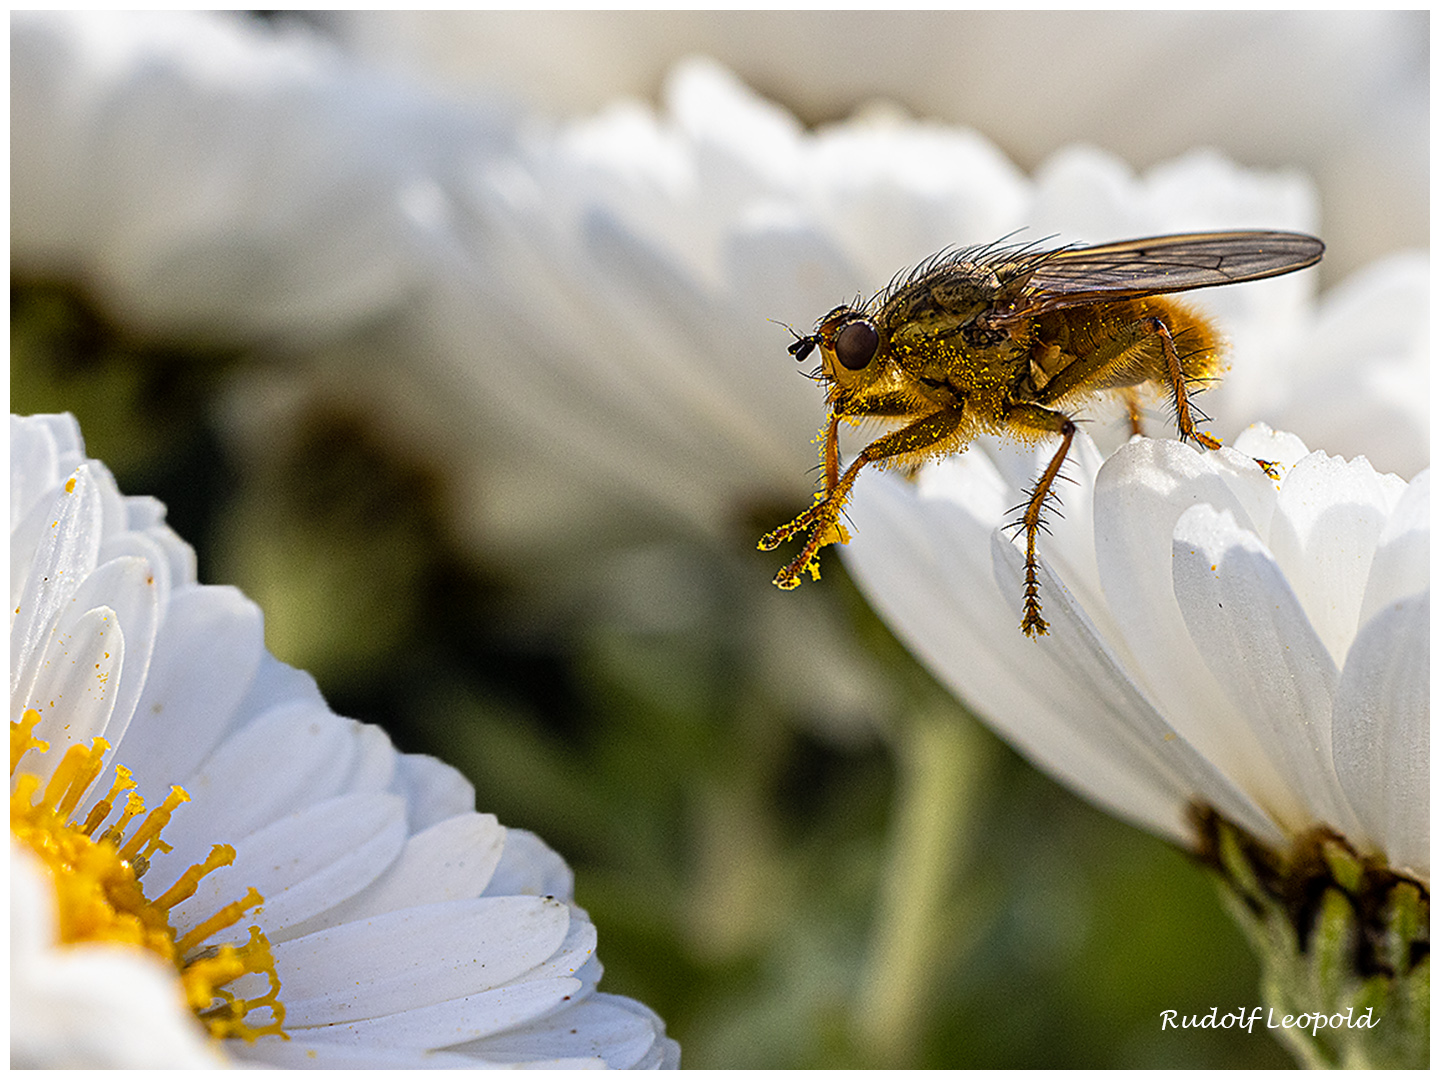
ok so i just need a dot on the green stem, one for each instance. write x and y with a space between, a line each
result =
939 755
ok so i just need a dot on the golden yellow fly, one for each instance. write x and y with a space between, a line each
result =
1011 341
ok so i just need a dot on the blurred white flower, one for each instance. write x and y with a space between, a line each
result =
211 180
1341 94
398 927
574 317
1216 637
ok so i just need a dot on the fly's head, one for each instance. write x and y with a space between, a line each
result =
849 343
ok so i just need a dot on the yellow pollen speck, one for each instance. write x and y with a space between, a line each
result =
70 486
98 891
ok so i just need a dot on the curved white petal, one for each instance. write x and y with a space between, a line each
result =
1120 724
434 791
1139 495
416 956
1401 565
528 867
617 1030
1063 700
451 860
1328 520
1382 731
1256 640
449 1023
65 552
305 751
306 861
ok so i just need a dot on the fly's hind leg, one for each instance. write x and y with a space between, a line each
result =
1033 418
1175 375
1183 420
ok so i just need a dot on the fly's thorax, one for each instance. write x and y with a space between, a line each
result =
939 304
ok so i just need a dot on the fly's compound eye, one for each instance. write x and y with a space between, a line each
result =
855 344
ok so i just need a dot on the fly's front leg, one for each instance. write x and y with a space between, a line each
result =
830 459
1035 419
832 453
822 519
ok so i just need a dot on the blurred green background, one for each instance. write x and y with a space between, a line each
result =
786 891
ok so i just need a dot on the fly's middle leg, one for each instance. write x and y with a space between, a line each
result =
1039 420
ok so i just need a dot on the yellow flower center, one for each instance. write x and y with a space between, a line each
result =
96 871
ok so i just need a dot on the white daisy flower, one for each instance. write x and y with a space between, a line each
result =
185 804
1223 646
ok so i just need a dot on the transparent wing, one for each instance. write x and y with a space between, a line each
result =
1156 264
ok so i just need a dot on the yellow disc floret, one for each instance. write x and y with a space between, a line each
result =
96 874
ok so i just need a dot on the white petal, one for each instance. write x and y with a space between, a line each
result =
571 958
1327 523
279 684
1148 772
300 1052
722 115
305 862
415 957
34 462
1382 731
433 790
1257 641
127 587
1139 495
206 654
74 686
452 860
919 557
460 1020
1401 566
66 552
303 751
529 867
1280 447
600 1026
375 763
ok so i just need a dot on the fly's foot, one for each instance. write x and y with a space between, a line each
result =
1032 623
824 528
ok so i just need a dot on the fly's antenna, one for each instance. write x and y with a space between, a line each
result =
802 346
